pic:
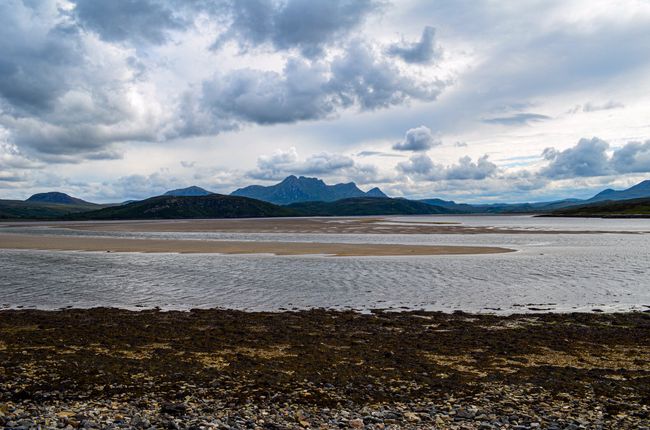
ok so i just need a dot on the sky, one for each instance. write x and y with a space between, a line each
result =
467 100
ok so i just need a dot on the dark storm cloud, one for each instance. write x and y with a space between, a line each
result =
517 119
417 139
306 25
133 20
423 51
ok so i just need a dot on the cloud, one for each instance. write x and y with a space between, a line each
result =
284 163
307 90
129 20
421 52
587 158
634 157
417 139
66 96
593 107
518 119
305 25
378 154
421 165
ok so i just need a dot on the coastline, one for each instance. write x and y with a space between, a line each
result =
324 369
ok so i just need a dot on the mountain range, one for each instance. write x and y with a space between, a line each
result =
302 196
302 189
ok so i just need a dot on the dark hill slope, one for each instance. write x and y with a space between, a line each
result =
20 210
192 191
634 208
638 191
366 206
172 207
56 197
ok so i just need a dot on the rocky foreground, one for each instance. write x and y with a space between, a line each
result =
108 368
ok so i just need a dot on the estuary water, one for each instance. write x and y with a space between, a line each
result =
557 272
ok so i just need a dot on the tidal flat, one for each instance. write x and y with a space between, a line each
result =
229 369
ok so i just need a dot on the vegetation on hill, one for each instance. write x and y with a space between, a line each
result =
29 210
366 206
610 209
173 207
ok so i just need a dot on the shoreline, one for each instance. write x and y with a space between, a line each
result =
224 369
107 244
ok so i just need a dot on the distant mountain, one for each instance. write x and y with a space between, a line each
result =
173 207
451 205
293 189
192 191
366 206
376 192
44 206
56 197
633 208
638 191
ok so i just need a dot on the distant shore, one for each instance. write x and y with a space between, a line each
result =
323 369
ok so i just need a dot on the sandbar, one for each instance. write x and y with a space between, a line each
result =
109 244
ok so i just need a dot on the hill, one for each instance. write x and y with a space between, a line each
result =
366 206
173 207
638 191
634 208
29 210
56 197
302 189
192 191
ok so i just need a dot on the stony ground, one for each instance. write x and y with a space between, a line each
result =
107 368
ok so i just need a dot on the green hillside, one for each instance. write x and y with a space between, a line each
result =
366 206
178 207
635 208
25 210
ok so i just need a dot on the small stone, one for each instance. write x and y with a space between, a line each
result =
356 423
411 417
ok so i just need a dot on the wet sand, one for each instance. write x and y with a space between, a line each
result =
352 225
106 244
323 369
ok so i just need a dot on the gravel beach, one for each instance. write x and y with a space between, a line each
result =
223 369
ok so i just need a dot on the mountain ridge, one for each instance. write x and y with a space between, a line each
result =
293 189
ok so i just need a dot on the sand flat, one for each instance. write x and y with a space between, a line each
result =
105 244
310 225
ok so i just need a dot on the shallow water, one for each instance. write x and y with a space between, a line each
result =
558 272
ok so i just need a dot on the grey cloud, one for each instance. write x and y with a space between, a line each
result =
517 119
634 157
417 139
132 20
306 25
378 153
593 107
421 165
62 99
587 158
284 163
307 90
423 51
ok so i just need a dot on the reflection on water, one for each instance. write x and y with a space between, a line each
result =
560 272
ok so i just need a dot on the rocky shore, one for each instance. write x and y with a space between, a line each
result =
223 369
